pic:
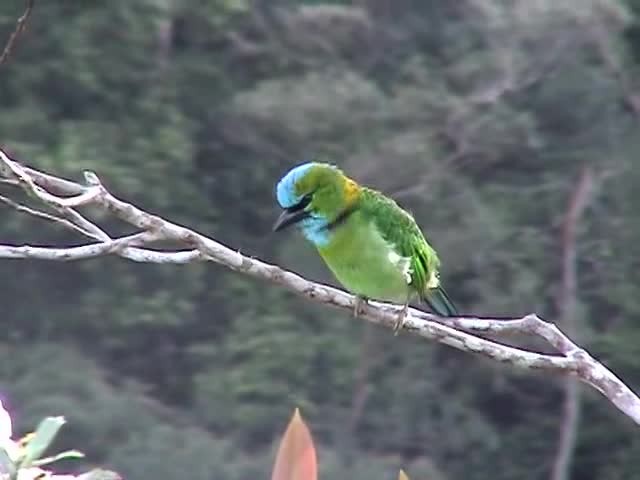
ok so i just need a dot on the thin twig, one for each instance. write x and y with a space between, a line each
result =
95 250
44 215
75 253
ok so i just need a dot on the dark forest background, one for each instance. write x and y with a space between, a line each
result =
477 115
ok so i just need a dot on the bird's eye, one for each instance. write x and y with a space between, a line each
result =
302 204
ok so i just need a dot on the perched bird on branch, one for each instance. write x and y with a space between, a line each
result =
374 248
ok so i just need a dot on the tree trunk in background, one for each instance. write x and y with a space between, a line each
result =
567 305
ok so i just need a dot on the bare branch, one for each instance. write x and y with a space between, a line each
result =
20 26
55 185
43 215
461 333
36 183
531 324
15 171
117 246
74 253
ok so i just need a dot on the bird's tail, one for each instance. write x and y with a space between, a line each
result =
440 303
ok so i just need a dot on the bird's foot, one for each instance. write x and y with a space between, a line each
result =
360 302
402 315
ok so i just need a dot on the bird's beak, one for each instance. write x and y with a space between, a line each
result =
289 217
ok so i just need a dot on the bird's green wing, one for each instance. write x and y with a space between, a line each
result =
401 231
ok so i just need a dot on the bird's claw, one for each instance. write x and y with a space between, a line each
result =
399 323
359 303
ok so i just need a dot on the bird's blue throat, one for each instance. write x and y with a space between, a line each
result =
316 230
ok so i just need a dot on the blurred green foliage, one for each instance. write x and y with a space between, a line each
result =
477 115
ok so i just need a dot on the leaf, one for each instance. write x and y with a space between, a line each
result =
42 438
6 464
59 456
296 458
402 475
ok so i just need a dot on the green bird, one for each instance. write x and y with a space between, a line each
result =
374 248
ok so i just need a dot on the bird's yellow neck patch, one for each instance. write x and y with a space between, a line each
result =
351 191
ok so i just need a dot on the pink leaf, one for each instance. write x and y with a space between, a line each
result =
296 458
402 475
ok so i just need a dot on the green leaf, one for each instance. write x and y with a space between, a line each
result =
42 438
59 456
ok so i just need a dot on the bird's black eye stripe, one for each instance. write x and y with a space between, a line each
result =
301 204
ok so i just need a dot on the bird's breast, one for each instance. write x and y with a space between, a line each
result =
366 264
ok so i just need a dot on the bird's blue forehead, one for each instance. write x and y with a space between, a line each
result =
286 189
